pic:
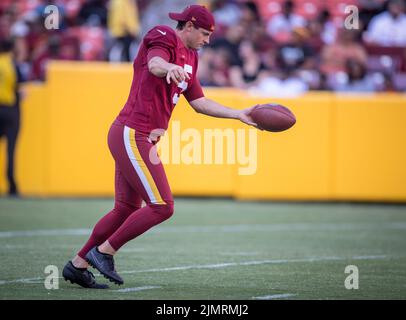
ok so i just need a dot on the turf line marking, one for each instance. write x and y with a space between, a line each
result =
310 226
32 246
305 226
26 280
275 296
50 232
224 265
366 257
57 246
252 263
125 290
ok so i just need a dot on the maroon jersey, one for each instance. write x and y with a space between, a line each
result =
152 100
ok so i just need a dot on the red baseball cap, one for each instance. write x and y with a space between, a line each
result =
199 15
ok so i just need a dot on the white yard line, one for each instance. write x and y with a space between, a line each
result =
48 232
251 263
56 246
309 226
33 246
367 257
125 290
275 296
222 265
306 226
24 280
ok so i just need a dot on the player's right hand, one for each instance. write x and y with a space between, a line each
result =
176 74
245 116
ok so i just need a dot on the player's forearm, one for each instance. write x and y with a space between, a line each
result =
214 109
159 67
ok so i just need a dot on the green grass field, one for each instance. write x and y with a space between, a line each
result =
213 249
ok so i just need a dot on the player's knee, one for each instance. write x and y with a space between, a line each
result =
165 211
124 209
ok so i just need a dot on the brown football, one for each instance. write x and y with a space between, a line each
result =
273 117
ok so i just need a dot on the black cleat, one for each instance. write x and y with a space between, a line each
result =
82 277
105 264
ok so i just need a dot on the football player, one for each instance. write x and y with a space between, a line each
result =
164 68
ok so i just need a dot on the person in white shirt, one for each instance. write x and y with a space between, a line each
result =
389 27
281 25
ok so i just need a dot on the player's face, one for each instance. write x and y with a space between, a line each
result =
199 37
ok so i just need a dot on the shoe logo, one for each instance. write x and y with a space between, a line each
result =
160 31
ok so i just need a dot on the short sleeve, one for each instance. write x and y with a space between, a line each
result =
158 52
195 91
161 41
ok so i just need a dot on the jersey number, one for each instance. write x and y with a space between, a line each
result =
182 85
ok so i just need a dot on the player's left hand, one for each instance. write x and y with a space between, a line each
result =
244 116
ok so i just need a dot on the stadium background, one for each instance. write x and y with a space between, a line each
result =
347 145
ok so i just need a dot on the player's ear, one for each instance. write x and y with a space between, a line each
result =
189 26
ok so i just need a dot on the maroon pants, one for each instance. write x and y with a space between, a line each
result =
139 175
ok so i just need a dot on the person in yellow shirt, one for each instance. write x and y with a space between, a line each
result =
124 27
9 108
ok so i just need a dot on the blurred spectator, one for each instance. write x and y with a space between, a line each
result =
355 79
298 59
260 38
124 26
398 82
231 43
92 42
322 29
254 27
281 25
9 108
226 13
53 47
156 12
41 54
93 13
16 29
335 55
369 9
214 68
251 69
37 43
284 86
249 15
296 54
389 27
